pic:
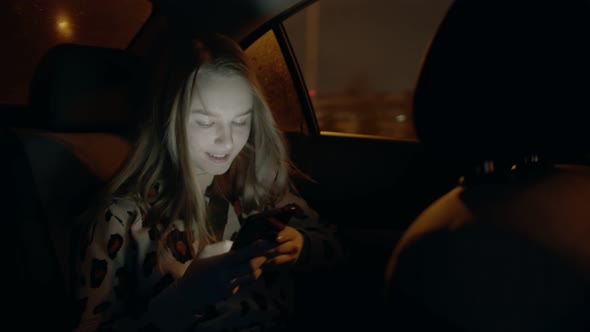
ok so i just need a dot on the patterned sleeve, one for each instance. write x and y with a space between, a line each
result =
107 266
321 248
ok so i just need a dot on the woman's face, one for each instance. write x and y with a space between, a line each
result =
219 121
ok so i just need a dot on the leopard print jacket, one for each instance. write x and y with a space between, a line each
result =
119 273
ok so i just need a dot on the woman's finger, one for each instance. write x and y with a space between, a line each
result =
245 279
288 248
288 234
245 268
279 260
258 248
256 262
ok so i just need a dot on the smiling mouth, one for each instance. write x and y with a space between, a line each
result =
218 157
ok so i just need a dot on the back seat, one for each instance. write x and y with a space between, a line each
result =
78 130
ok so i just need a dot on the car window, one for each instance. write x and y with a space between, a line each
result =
29 28
276 82
360 61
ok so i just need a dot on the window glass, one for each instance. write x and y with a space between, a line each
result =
275 79
360 61
29 28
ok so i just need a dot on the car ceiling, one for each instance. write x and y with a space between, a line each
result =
237 18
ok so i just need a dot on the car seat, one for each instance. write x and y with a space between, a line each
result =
76 132
503 94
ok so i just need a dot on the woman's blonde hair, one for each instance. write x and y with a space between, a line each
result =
258 176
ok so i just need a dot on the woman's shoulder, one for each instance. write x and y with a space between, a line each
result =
125 209
123 203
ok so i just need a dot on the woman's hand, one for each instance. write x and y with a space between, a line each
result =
288 250
211 279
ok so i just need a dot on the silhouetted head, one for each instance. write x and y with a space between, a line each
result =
507 78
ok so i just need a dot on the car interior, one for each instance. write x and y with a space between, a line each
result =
79 125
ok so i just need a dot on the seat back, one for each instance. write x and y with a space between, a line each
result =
502 94
82 120
78 88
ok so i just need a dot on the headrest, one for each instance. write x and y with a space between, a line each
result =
507 78
84 88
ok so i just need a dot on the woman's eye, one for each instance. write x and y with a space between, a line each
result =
240 123
204 124
243 121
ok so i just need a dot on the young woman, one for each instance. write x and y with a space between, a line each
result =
208 156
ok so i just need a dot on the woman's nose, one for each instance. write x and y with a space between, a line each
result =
224 137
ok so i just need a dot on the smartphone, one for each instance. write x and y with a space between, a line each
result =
261 226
